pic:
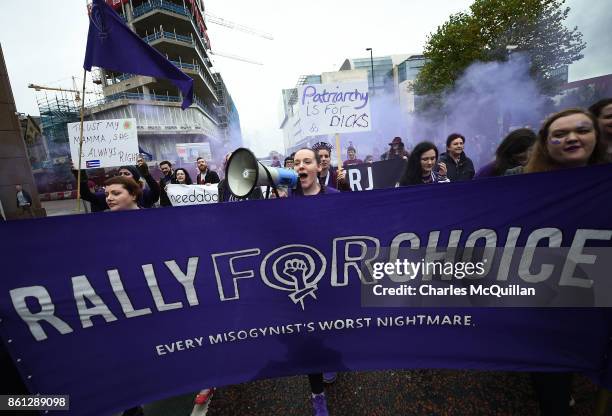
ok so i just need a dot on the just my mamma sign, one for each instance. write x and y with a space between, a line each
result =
106 143
253 290
334 108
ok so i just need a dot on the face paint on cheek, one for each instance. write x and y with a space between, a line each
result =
555 141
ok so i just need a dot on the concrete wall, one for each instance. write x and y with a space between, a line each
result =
344 76
14 164
128 85
406 97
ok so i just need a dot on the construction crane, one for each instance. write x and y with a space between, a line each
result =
235 57
77 94
242 28
236 26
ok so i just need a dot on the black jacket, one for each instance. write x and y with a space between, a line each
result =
164 201
389 154
226 196
461 171
98 200
333 181
210 177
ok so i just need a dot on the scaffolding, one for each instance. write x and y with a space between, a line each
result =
222 109
56 111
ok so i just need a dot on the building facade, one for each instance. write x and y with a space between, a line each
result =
391 102
293 136
15 167
382 81
177 30
293 139
585 92
404 76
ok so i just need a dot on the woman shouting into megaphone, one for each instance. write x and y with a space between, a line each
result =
307 164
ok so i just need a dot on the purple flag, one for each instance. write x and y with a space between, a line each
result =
112 45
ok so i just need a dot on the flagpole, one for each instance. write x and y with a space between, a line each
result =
339 156
603 395
81 144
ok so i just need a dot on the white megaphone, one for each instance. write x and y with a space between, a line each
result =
244 172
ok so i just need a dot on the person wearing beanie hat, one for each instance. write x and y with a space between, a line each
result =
130 172
147 199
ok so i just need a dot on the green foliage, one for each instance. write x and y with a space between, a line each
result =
535 27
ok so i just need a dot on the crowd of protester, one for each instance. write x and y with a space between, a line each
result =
568 139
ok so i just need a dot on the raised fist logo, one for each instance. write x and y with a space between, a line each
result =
296 269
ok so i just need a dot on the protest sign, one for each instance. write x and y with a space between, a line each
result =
263 289
181 195
377 175
334 108
189 152
106 143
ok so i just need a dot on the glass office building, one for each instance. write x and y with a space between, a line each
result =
409 69
383 71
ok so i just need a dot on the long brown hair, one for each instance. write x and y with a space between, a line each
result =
540 160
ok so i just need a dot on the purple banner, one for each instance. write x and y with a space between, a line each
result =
118 309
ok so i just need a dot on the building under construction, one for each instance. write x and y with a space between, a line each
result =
46 139
56 111
176 29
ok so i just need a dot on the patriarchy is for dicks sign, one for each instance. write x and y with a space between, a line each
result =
335 108
180 195
106 143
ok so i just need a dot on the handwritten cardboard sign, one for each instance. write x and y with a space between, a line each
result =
106 143
334 108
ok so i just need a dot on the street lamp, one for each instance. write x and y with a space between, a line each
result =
510 49
372 66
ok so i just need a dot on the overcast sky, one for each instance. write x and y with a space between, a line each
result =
44 43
